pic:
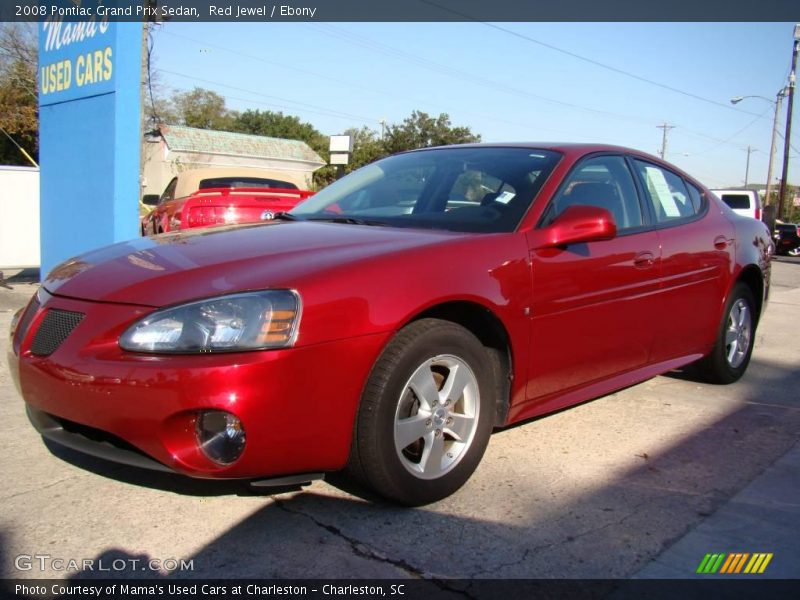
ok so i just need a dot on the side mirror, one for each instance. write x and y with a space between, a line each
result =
578 224
150 199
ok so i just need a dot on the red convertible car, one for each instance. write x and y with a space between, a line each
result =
219 196
388 324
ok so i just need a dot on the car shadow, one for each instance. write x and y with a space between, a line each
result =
610 531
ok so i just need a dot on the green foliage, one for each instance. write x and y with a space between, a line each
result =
420 130
204 109
19 110
367 147
275 124
790 211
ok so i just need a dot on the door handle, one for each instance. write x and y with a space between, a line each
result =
644 260
721 242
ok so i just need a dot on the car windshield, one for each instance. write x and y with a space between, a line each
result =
471 189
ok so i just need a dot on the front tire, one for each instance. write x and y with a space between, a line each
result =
426 414
730 357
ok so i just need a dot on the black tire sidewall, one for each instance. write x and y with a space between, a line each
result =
719 370
380 463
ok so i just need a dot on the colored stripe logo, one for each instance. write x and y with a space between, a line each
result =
734 563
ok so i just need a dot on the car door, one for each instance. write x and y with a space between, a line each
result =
697 257
593 302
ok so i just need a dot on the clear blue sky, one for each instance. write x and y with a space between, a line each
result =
506 87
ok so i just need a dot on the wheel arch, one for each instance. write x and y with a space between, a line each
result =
484 324
752 277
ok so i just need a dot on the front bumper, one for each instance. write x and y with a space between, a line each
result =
297 405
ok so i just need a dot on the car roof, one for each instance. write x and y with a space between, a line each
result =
567 148
571 150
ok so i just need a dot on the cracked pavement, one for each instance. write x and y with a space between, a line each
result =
597 491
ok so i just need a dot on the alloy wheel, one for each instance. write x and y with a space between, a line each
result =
738 334
436 416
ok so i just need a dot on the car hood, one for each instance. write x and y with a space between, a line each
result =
171 268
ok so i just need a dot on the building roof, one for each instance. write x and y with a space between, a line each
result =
189 139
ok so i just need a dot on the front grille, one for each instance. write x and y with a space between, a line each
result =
55 328
24 323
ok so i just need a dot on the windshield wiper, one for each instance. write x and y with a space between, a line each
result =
349 221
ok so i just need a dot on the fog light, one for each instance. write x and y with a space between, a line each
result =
220 436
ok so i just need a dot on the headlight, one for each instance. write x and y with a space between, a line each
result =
248 321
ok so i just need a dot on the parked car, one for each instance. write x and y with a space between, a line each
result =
787 239
214 196
743 202
389 323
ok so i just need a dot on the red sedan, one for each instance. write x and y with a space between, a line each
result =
389 323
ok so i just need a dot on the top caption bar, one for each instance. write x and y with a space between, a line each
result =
188 11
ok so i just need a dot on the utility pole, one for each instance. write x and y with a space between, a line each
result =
749 151
788 134
665 127
778 101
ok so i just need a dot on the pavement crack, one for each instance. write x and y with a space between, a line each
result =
364 550
567 540
38 489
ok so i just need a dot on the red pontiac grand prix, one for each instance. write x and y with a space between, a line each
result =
390 322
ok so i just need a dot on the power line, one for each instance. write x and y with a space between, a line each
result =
590 60
495 86
313 108
340 81
388 93
366 42
728 139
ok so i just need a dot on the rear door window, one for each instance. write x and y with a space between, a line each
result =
668 193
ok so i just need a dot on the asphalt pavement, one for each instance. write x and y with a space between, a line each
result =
642 483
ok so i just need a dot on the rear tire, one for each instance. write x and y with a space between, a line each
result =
426 414
730 357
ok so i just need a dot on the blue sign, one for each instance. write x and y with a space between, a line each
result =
77 60
89 135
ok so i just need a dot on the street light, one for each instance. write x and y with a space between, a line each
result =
777 102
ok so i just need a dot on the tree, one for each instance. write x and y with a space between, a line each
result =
275 124
19 109
201 108
367 147
279 125
420 130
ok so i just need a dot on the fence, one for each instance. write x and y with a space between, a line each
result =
19 217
